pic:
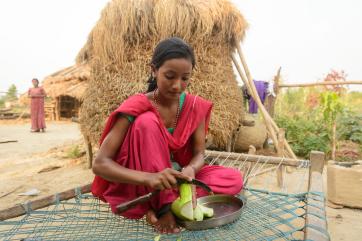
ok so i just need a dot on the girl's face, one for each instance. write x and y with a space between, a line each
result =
173 77
35 83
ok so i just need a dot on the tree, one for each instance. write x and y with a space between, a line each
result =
331 108
12 93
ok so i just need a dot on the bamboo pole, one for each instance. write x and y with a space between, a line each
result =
232 156
266 115
271 99
281 137
348 82
268 120
258 101
19 209
315 205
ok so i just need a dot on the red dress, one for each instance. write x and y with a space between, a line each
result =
37 108
147 146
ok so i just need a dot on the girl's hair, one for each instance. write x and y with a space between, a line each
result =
35 79
170 48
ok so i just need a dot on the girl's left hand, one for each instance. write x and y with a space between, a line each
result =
190 172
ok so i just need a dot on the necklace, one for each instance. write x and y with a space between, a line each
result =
155 99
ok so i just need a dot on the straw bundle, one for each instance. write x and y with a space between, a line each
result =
120 46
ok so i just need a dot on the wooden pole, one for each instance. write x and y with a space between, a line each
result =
88 150
281 137
271 99
19 209
315 203
232 156
351 82
334 130
268 120
316 163
258 101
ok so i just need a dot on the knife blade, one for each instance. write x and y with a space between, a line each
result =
197 183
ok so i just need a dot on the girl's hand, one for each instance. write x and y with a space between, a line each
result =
165 179
190 172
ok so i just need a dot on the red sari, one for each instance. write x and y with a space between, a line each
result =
37 108
147 146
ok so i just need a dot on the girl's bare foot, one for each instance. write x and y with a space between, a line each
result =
165 224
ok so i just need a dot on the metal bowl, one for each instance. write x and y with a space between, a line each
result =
227 209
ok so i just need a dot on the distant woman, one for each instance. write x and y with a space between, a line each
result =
37 95
153 138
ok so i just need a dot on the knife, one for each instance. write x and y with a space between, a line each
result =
142 199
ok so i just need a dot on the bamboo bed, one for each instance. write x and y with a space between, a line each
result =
290 209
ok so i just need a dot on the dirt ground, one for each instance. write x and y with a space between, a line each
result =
43 161
39 161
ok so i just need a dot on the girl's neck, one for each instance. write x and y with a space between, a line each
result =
165 102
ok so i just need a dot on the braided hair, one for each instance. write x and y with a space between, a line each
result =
170 48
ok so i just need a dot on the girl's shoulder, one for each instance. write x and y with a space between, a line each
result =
198 99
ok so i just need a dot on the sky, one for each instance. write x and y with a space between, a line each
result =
306 38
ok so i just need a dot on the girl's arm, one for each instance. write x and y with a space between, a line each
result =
197 161
107 168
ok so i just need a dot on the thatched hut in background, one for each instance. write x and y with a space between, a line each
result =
66 87
120 46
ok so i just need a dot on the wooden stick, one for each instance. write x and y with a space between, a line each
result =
9 141
263 172
19 210
232 156
257 98
89 151
351 82
271 99
281 137
315 206
10 192
316 163
265 114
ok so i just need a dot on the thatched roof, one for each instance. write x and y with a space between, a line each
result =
71 81
120 46
128 23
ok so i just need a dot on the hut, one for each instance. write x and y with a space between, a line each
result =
66 87
120 46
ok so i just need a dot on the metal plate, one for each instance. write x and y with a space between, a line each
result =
227 209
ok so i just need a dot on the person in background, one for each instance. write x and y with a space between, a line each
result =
37 95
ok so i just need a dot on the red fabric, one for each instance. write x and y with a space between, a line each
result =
37 108
147 147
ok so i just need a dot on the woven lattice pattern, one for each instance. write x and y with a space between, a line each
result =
273 211
267 216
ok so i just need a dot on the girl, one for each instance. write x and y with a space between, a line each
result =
156 137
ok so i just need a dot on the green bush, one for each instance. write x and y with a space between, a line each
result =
74 152
349 127
305 133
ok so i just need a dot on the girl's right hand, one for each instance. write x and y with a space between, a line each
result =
165 179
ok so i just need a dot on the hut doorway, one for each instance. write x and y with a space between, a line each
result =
67 107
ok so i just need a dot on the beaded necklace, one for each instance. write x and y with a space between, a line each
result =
155 99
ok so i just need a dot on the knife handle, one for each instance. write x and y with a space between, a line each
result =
130 204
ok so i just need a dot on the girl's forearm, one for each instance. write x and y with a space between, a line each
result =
197 161
113 172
